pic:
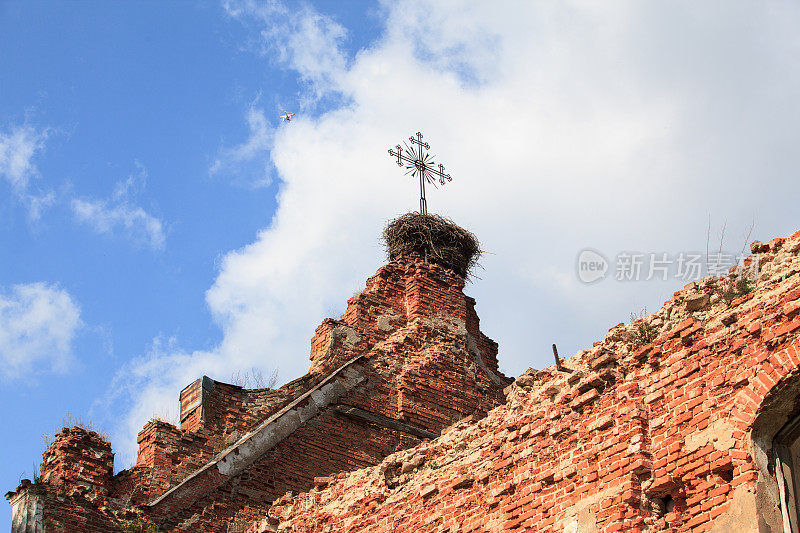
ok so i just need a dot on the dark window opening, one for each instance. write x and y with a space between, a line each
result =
726 474
661 506
786 445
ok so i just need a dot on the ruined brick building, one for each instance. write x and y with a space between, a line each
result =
685 420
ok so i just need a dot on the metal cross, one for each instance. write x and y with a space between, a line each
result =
420 164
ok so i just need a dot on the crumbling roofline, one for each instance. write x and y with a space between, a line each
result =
252 445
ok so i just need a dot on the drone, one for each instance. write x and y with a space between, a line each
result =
287 116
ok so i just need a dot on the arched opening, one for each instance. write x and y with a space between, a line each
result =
776 450
786 449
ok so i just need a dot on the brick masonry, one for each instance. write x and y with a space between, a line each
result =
665 424
673 435
405 361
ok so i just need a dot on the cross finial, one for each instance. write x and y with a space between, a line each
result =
420 164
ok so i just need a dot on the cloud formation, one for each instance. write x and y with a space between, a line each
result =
248 161
302 40
564 126
119 214
18 147
38 322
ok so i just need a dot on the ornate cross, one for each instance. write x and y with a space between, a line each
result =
420 164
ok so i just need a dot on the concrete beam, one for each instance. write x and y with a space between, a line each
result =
385 421
252 445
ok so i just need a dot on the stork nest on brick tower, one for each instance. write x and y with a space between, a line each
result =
435 238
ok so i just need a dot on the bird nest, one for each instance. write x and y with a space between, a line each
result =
436 238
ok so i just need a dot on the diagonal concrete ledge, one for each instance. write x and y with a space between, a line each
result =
384 421
253 444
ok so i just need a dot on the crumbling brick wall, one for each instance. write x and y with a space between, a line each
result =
406 360
673 435
400 334
71 493
223 408
78 461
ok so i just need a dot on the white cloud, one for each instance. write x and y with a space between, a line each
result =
564 126
38 323
18 148
133 220
119 214
16 151
304 40
251 158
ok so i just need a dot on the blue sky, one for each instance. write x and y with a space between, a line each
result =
111 92
160 223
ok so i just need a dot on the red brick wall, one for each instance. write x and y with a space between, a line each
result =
166 456
78 461
610 446
191 401
420 371
76 477
687 419
424 363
